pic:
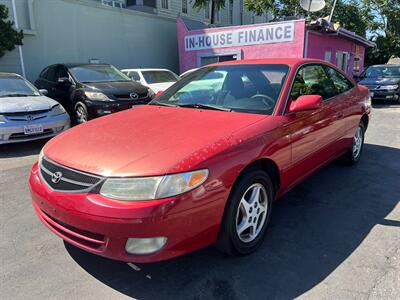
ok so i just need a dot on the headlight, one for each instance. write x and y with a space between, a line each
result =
3 119
150 188
389 87
151 94
97 96
57 110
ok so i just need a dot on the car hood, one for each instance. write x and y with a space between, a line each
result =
118 87
25 104
156 87
148 140
380 81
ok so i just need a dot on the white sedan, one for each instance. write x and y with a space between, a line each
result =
156 79
25 113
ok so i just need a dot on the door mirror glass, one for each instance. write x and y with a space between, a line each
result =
306 103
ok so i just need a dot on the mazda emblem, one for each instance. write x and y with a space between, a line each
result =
56 177
134 96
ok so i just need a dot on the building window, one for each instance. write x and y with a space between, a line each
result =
328 55
184 6
253 18
230 11
241 11
207 10
164 4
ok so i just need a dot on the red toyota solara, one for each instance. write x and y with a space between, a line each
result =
201 164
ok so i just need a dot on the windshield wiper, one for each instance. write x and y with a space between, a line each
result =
204 106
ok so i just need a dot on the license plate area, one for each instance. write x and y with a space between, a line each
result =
33 129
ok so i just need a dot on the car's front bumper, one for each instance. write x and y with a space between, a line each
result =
102 108
385 94
102 226
13 131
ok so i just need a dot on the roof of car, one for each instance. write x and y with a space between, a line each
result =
283 61
386 65
73 65
145 69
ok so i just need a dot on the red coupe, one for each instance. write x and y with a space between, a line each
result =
201 164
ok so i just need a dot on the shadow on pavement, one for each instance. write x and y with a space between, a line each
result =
314 228
377 104
22 149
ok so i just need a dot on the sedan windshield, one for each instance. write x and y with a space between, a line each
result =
158 76
96 73
383 71
16 87
241 88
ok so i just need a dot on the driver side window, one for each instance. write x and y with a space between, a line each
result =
312 80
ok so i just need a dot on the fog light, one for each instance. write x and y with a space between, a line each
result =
145 245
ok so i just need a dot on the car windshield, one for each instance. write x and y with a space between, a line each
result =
97 73
158 76
241 88
383 71
16 87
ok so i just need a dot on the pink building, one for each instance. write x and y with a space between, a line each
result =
200 45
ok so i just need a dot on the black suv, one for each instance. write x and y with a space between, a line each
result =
383 81
91 90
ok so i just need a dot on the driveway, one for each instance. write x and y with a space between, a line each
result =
336 236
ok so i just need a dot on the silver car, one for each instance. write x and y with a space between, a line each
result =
26 114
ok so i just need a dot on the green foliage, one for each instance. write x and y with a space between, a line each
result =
9 37
377 19
216 5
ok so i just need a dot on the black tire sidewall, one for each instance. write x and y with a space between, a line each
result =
229 223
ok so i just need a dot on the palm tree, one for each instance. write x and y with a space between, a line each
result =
216 5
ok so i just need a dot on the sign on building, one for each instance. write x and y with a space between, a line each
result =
243 36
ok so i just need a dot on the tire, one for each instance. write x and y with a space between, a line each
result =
353 156
230 239
80 113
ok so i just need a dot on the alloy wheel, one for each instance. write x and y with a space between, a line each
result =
251 213
81 115
357 142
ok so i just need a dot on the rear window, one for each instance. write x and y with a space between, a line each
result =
158 76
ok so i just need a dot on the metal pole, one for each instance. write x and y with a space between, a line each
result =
308 11
333 8
21 56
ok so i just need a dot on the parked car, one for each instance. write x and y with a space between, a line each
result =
27 114
383 81
88 91
190 170
156 79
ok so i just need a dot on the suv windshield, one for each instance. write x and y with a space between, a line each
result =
16 87
383 71
97 73
158 76
242 88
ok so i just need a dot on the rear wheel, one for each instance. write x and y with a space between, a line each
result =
81 113
354 154
247 214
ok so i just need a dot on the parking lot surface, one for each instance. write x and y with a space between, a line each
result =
335 236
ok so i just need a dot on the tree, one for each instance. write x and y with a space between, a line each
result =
216 5
9 37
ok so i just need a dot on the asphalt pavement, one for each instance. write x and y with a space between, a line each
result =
335 236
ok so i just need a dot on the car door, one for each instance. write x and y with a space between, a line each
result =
341 106
311 132
48 82
62 89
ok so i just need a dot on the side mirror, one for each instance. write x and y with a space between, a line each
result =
64 81
305 103
44 92
159 93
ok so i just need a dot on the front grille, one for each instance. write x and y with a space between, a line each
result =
21 135
141 96
27 116
69 180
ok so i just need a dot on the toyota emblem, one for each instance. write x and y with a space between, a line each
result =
56 177
134 95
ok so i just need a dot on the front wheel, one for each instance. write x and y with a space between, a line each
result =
247 214
354 154
81 113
